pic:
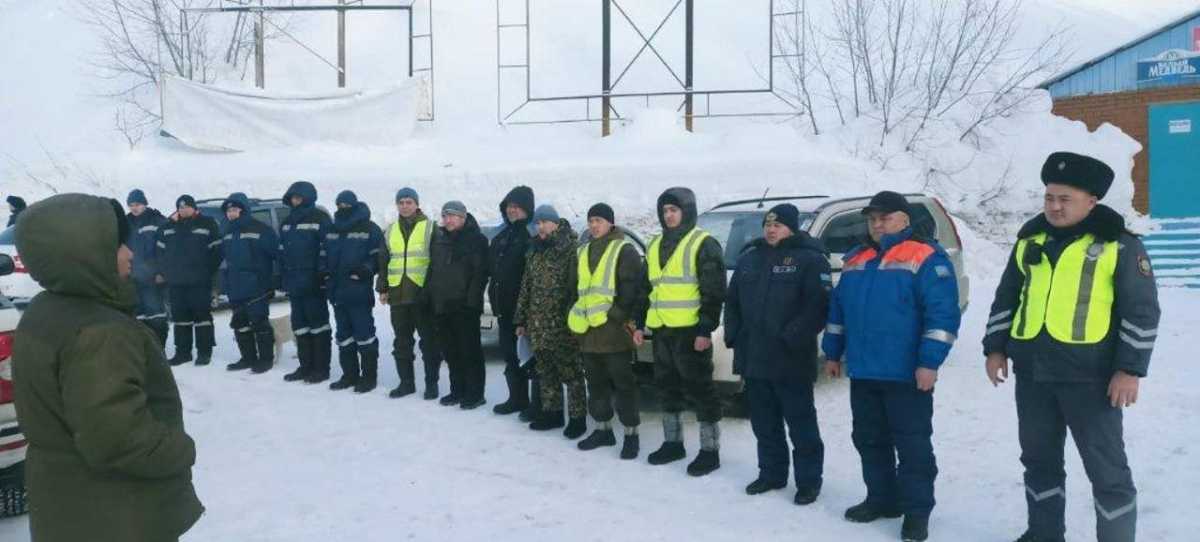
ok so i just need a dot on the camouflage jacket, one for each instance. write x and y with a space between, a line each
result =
548 289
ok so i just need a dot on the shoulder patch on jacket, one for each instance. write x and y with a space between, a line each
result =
909 255
1144 266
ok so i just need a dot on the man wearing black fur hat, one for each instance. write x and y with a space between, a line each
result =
1077 312
506 256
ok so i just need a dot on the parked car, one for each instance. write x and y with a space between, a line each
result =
18 286
12 442
839 224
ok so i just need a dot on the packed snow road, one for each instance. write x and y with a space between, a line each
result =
291 462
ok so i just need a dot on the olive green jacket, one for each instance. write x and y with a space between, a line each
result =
108 457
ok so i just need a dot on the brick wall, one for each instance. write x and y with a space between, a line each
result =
1128 111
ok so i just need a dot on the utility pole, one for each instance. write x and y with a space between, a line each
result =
260 77
606 62
341 38
687 61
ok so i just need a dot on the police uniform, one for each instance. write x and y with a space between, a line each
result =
1074 306
686 274
189 256
406 258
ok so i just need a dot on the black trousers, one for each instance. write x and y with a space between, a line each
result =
610 376
893 432
772 404
460 342
1044 413
684 375
191 309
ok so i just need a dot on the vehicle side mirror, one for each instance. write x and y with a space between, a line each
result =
7 265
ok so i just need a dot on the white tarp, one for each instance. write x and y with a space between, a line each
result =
223 119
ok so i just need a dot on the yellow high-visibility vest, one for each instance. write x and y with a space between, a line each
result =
409 258
596 289
1073 299
675 297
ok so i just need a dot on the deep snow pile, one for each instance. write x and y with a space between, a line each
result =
289 462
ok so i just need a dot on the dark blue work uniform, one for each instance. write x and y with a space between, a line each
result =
250 249
302 263
143 236
776 305
189 256
351 258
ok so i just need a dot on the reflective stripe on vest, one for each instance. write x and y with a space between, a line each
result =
409 258
596 290
675 294
1073 300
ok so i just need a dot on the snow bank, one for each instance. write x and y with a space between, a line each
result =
210 117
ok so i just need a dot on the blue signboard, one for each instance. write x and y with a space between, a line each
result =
1176 66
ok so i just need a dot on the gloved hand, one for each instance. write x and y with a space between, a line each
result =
362 272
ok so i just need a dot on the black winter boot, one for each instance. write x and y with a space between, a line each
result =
304 351
598 438
915 529
369 360
547 420
348 359
867 511
576 428
266 351
518 394
631 447
247 349
1030 537
432 370
408 383
762 485
706 461
159 326
450 400
806 496
205 342
667 453
534 408
322 346
472 403
183 345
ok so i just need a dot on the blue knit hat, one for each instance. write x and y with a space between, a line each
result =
136 196
407 192
545 213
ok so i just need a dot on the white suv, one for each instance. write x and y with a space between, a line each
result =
838 223
12 442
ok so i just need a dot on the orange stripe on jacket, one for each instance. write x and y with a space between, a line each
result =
859 260
907 255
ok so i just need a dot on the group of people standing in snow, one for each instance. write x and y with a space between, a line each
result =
1076 311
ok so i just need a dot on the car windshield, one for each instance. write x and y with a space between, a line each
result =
736 229
8 236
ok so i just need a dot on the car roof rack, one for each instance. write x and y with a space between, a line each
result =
762 200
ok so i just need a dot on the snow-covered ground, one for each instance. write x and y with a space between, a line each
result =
289 462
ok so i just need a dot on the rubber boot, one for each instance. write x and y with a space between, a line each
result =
322 346
304 351
266 351
518 394
247 352
348 359
183 345
369 362
408 384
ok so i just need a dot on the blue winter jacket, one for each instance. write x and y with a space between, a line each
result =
300 240
776 306
250 249
143 234
894 309
351 254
